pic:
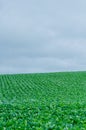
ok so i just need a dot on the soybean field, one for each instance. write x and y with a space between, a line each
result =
43 101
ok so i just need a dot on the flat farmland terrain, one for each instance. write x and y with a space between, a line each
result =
45 101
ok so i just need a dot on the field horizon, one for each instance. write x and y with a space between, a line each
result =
70 71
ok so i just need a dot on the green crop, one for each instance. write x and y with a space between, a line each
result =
47 101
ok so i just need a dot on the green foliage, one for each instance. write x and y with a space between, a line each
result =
52 101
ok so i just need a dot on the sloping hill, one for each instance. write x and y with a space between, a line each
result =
44 101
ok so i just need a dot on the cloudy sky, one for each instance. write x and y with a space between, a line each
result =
42 35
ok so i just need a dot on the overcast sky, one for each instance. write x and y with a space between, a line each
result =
42 35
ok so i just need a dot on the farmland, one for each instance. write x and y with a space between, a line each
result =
45 101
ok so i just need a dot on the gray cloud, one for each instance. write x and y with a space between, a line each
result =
42 36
